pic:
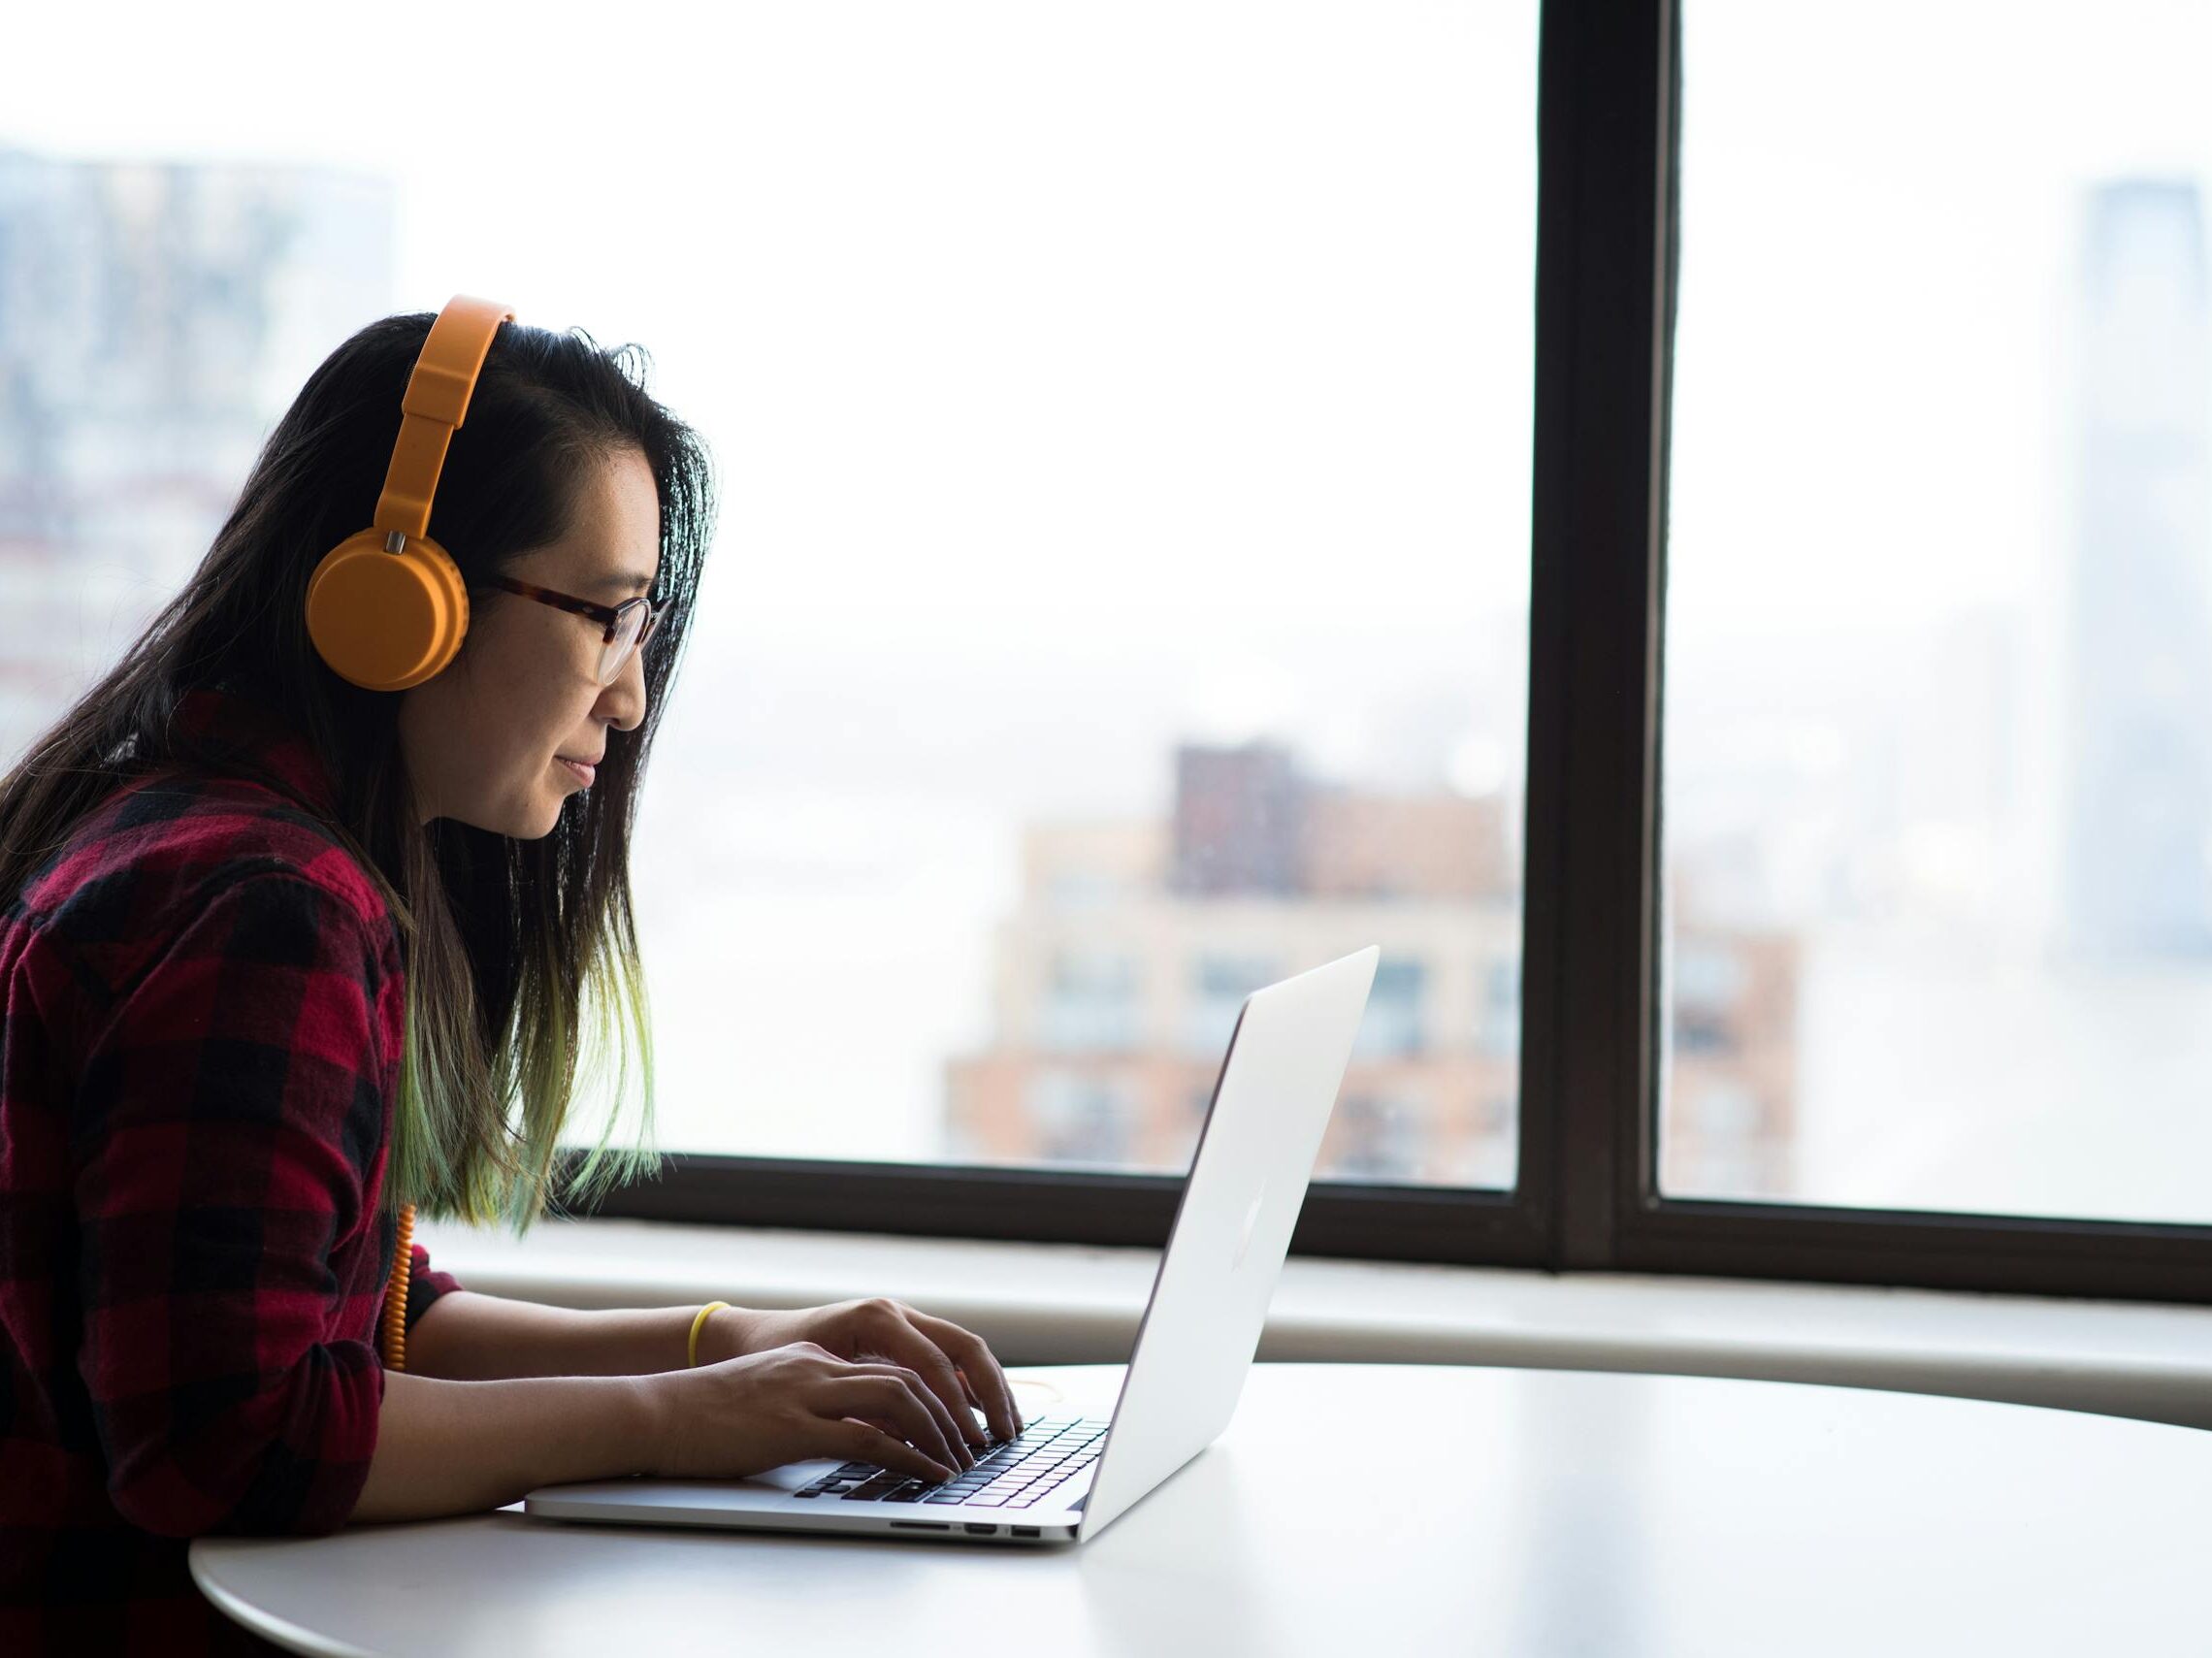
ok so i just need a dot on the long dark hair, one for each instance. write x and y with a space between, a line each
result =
517 952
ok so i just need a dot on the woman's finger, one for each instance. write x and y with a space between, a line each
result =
952 1422
903 1343
865 1438
969 1351
891 1397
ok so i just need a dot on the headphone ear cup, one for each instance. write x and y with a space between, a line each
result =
387 621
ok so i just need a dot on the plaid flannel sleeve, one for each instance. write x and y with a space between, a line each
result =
229 1103
425 1283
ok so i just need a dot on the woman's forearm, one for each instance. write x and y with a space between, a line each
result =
466 1336
462 1448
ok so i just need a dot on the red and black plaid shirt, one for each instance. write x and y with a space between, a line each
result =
203 1025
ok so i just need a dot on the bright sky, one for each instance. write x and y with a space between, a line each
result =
969 296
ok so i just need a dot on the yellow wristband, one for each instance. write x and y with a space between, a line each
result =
695 1324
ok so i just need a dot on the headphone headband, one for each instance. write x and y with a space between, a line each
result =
435 404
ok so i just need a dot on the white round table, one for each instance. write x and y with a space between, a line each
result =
1373 1509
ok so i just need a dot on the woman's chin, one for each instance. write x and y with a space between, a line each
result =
534 821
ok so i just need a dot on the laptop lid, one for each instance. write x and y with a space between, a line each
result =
1256 1155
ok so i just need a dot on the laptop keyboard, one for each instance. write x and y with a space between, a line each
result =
1011 1473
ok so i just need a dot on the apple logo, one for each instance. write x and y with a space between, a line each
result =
1244 1233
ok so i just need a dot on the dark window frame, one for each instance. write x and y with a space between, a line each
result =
1586 1198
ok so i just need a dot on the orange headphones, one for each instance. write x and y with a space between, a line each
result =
386 606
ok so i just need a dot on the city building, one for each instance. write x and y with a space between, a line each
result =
2138 816
1118 977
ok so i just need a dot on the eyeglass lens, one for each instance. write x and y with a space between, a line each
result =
626 635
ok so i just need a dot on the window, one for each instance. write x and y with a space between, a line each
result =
1723 609
1672 1083
987 728
1939 676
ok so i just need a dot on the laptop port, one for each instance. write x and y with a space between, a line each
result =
924 1525
1028 1531
978 1529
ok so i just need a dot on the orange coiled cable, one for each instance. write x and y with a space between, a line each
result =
394 1328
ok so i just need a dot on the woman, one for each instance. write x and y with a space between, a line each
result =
297 940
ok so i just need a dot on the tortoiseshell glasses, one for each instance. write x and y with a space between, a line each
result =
629 625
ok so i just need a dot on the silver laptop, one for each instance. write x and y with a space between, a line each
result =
1066 1477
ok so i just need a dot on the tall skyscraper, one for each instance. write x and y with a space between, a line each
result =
2139 852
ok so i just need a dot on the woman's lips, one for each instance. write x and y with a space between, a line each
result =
586 772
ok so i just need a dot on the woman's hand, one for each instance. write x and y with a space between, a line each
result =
954 1364
732 1419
